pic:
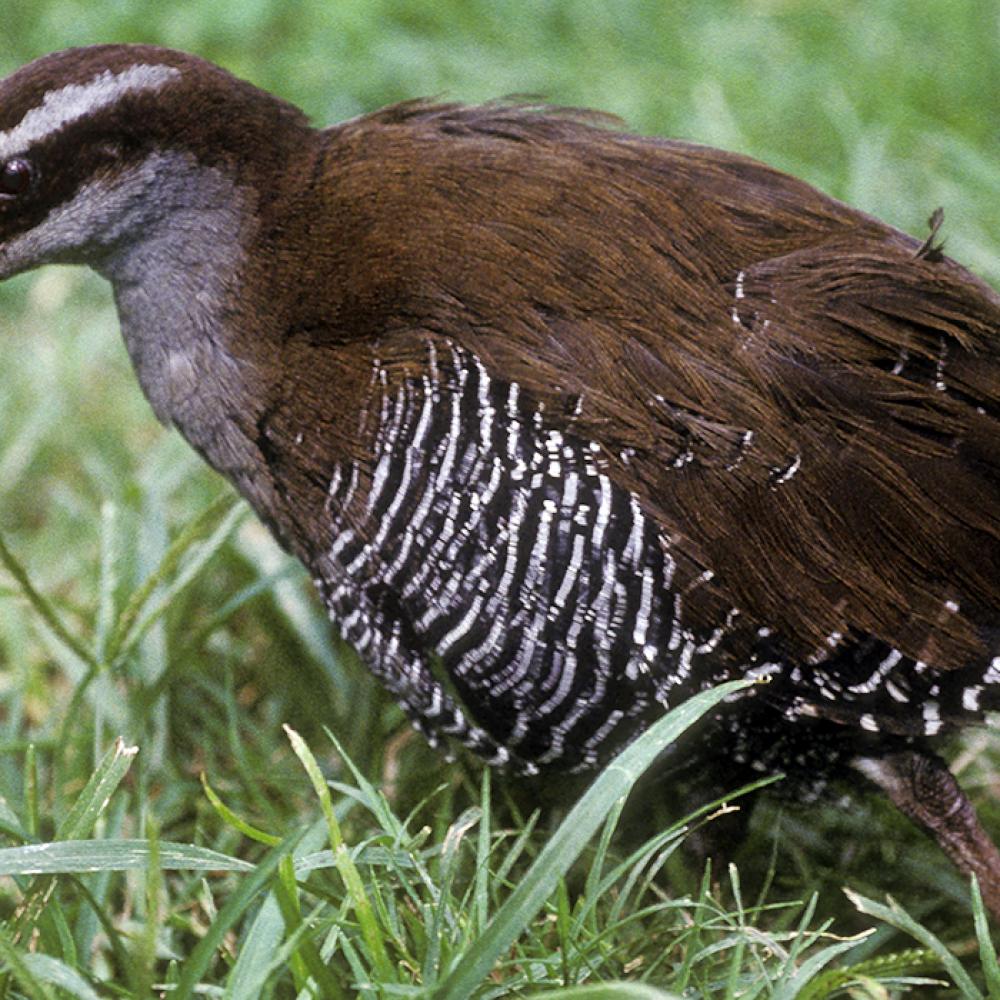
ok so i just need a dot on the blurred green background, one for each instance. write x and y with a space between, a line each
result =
887 104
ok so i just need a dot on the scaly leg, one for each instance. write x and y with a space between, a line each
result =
922 787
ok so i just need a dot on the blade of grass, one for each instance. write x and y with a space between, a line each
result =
366 793
43 607
370 930
50 970
896 916
201 957
606 991
898 968
483 855
740 947
17 966
124 631
31 789
565 845
262 942
124 641
120 954
305 960
147 939
10 824
107 578
253 963
63 857
265 962
93 800
447 869
796 984
518 848
231 819
592 886
263 585
987 951
80 820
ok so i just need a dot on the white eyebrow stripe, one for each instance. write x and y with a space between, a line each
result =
60 107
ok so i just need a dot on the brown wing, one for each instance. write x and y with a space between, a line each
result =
878 377
836 463
804 398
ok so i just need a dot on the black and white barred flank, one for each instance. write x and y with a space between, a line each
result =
512 596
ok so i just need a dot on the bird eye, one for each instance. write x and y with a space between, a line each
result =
15 177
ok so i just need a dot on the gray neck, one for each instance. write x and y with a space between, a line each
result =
174 262
170 234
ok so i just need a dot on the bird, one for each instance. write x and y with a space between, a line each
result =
566 423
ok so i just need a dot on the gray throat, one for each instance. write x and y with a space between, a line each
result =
174 265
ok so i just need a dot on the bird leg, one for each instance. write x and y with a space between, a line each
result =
922 787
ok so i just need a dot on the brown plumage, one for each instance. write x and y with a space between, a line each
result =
566 423
585 263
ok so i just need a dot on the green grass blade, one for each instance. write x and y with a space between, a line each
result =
987 951
447 869
896 916
10 824
262 947
93 800
80 820
231 819
565 845
370 930
43 607
149 935
366 793
18 965
124 641
606 991
63 857
305 960
482 898
897 968
126 631
254 963
518 847
278 957
31 789
262 585
201 957
50 970
796 984
108 578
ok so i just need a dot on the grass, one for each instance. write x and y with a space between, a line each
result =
137 601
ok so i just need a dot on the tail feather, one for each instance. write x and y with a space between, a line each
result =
867 684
